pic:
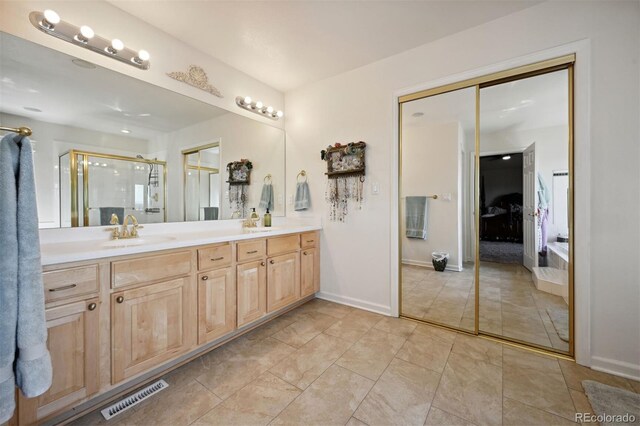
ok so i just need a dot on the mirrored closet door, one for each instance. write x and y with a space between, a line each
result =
437 229
485 205
524 210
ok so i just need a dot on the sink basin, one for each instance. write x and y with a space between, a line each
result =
132 242
260 229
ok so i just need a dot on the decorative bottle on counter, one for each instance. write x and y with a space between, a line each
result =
267 219
254 217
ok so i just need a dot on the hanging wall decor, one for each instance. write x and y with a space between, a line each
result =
346 170
239 180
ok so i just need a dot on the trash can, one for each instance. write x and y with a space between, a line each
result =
439 260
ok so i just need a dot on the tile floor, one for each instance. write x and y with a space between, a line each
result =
328 364
510 304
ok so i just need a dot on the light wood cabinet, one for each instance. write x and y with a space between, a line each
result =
309 272
216 304
283 281
252 291
150 325
73 342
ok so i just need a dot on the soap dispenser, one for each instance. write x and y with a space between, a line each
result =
267 219
255 218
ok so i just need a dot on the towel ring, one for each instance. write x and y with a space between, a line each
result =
267 178
303 174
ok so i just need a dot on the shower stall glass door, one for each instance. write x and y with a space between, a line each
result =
100 185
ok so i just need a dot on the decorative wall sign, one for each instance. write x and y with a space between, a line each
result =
197 78
346 170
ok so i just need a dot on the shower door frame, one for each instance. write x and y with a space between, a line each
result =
565 62
73 172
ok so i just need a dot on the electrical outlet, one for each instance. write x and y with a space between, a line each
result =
447 196
290 200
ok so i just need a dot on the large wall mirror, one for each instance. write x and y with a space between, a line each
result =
486 206
108 143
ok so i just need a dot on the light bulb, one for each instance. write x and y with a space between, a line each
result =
143 55
280 114
117 44
269 109
86 32
247 100
51 18
259 105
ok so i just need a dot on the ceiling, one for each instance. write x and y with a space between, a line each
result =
287 44
531 103
91 98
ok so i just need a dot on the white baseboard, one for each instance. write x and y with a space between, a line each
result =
618 368
356 303
454 268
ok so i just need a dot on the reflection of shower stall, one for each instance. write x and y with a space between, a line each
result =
93 186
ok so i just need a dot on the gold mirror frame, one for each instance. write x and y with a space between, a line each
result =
566 62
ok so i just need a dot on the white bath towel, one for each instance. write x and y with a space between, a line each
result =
24 357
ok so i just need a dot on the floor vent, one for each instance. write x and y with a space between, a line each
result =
132 400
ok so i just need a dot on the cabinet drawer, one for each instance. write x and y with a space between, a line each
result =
249 250
72 282
309 239
150 268
283 244
214 257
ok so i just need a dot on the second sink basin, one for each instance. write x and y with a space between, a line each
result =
131 242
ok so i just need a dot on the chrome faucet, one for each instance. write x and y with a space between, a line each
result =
116 233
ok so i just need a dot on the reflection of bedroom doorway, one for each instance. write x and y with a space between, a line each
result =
501 224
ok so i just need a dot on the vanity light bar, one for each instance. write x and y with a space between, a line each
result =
49 22
258 108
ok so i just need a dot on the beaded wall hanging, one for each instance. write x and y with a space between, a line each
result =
345 170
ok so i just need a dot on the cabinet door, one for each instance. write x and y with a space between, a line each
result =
252 291
283 281
73 342
216 304
151 325
309 272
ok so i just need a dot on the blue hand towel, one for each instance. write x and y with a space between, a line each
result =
303 198
266 199
23 331
416 217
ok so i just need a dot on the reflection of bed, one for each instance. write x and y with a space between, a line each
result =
502 220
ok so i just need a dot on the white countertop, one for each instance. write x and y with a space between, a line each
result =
73 245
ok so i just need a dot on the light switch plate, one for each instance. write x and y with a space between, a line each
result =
375 188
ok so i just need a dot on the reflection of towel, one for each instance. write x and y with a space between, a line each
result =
23 330
106 212
544 197
210 213
266 199
416 217
303 199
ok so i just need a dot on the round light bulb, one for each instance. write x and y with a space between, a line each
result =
247 100
269 109
259 105
86 32
143 55
117 44
280 114
51 17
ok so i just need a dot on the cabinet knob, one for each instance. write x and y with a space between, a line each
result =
262 264
92 306
119 299
206 277
304 252
272 261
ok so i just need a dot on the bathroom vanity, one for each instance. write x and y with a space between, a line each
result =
121 315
